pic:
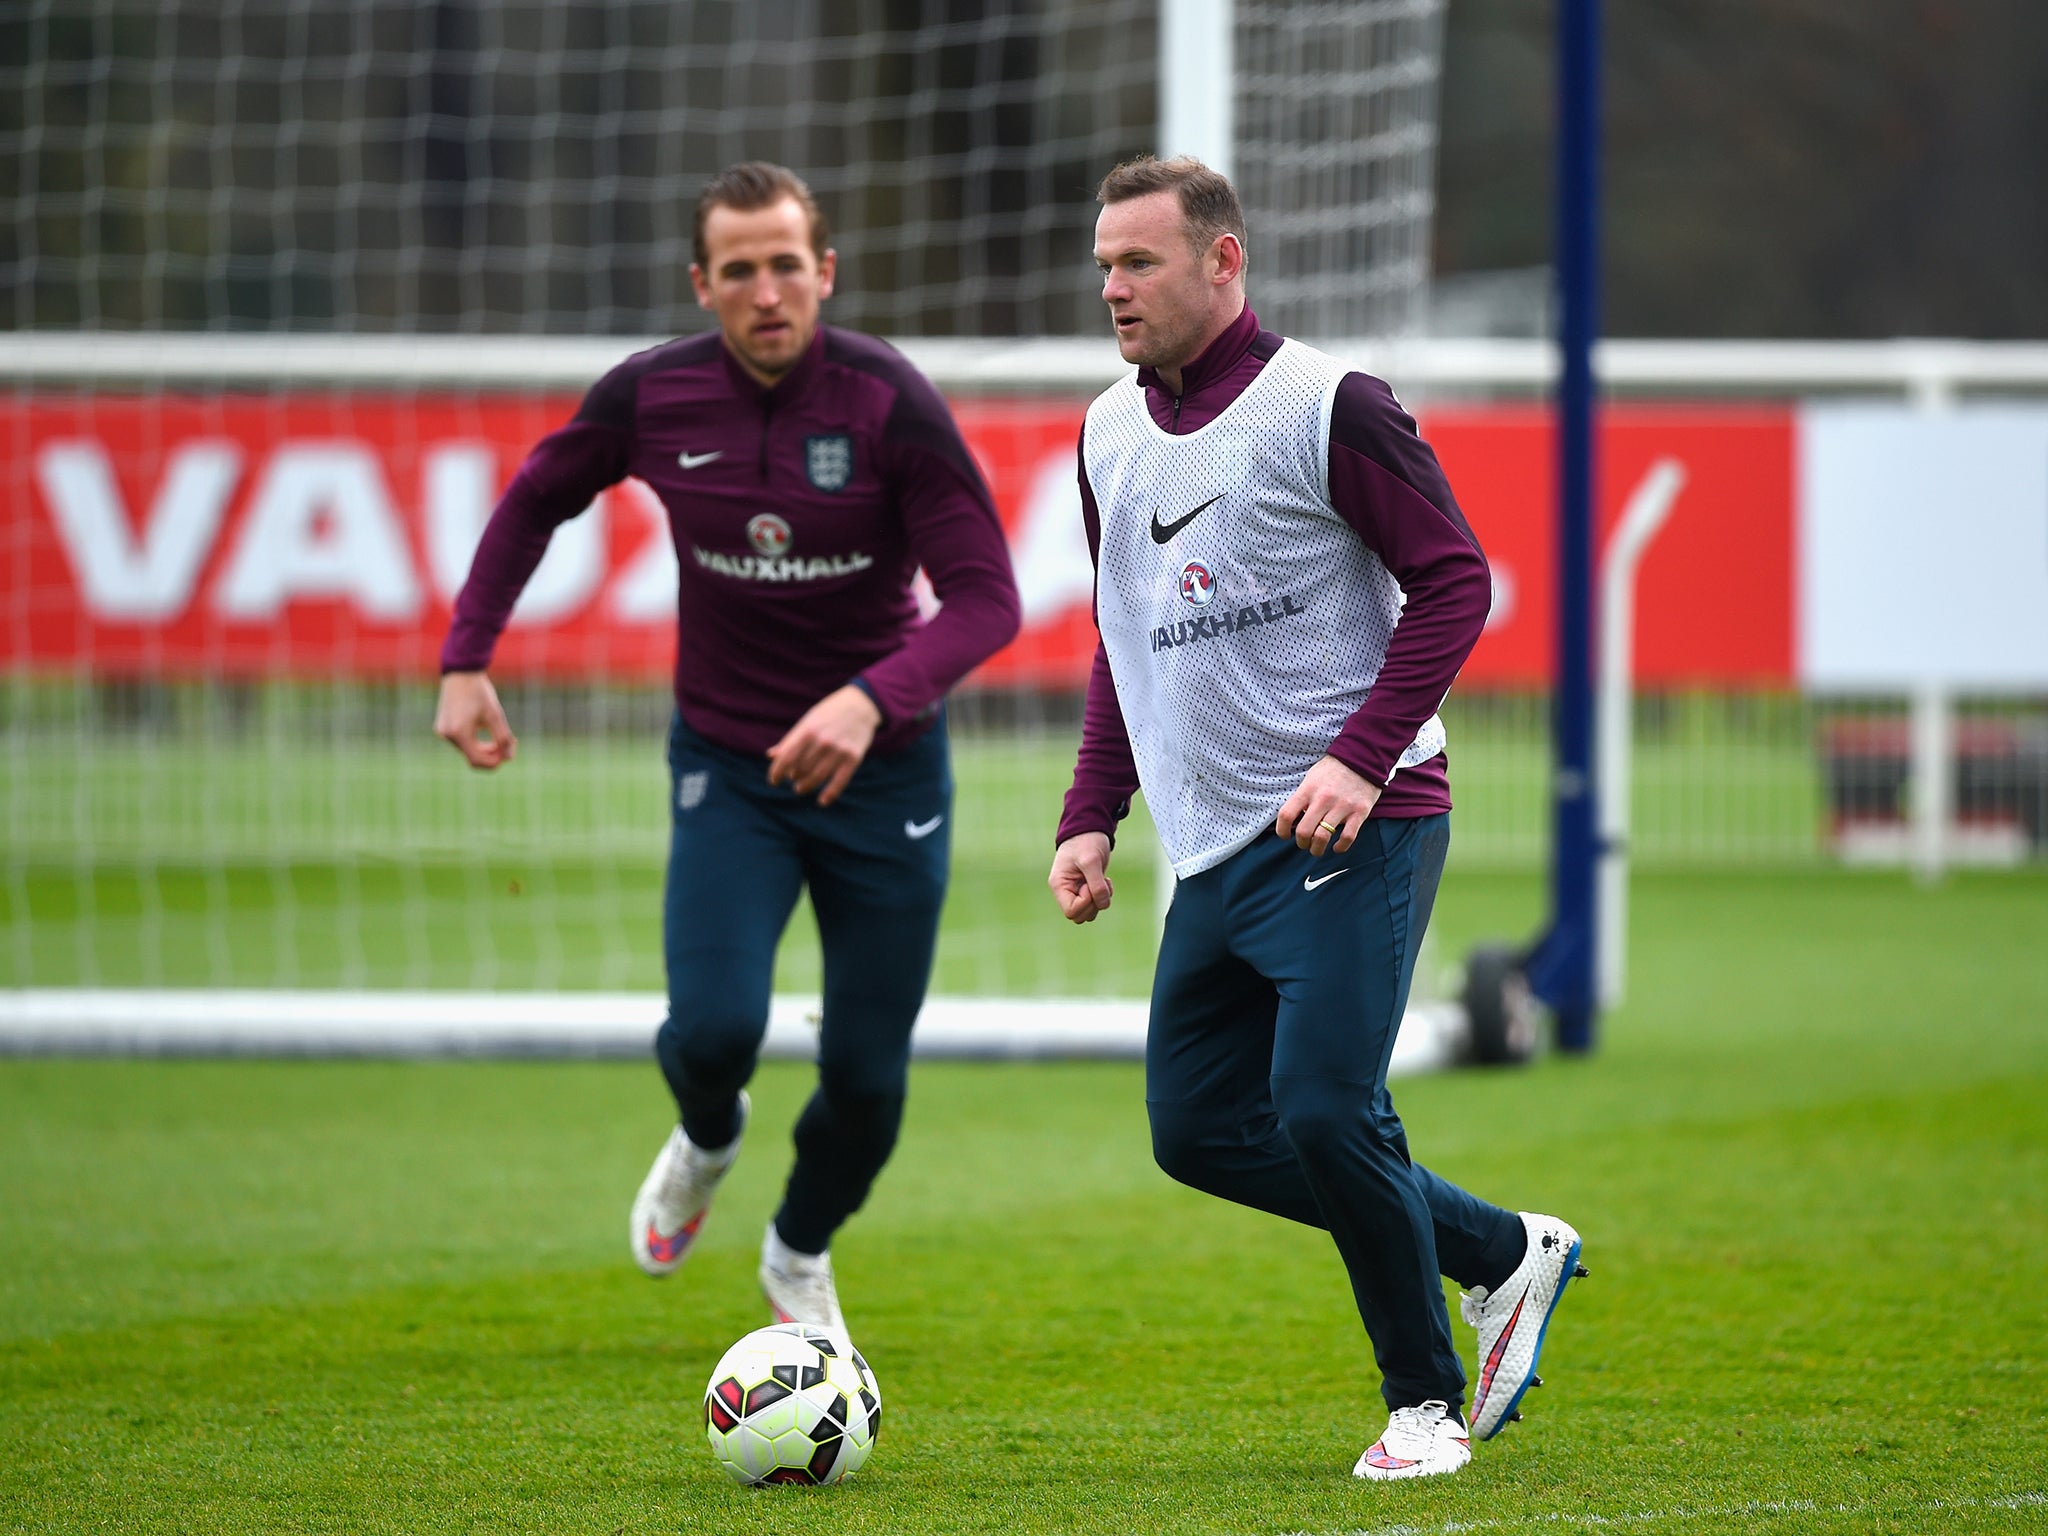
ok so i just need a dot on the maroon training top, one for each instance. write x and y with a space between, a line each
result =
799 514
1385 482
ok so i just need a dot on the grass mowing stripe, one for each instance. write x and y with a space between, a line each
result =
277 856
503 923
1716 779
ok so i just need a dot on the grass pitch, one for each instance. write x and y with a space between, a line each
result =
331 843
1808 1163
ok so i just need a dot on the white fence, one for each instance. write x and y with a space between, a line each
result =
1923 770
1926 372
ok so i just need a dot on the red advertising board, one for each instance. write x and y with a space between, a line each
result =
313 534
1714 593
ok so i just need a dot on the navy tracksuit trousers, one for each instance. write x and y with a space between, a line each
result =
875 863
1281 983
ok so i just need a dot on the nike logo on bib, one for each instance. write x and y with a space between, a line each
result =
691 460
1161 532
1309 885
918 830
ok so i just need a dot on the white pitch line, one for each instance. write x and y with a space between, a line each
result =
2014 1501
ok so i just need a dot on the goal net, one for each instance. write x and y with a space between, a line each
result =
292 285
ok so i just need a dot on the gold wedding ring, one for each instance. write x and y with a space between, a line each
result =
1330 826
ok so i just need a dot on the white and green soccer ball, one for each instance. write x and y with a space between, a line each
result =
792 1404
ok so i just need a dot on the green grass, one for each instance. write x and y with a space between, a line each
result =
499 924
1717 777
1808 1161
346 856
395 867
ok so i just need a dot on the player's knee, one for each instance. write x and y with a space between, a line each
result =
1182 1138
1323 1116
704 1037
865 1100
875 1074
853 1126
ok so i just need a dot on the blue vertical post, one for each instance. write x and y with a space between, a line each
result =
1563 967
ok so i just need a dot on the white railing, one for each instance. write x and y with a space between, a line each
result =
1928 371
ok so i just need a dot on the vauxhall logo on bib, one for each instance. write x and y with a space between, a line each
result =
1198 589
828 461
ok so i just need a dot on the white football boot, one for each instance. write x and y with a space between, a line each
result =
799 1285
1424 1441
676 1196
1512 1319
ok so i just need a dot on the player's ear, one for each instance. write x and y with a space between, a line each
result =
703 288
1228 255
828 268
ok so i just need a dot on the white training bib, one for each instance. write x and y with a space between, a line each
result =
1244 620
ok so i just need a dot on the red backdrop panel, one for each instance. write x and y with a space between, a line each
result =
133 531
1715 591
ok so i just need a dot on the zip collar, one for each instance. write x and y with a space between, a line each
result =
1214 362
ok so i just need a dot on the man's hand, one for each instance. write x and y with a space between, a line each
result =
1326 814
1079 878
470 719
822 750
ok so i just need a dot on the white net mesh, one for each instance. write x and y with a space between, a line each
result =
460 166
470 165
1336 158
215 763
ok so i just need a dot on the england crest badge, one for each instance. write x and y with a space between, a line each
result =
828 461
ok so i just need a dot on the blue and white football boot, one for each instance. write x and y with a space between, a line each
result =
1512 1318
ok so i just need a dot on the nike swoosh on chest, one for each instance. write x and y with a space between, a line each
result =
1161 532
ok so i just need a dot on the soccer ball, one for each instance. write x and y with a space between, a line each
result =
792 1404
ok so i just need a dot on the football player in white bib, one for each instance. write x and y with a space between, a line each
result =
1285 590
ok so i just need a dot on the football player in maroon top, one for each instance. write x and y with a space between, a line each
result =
808 474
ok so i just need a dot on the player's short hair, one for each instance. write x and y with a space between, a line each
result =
756 184
1208 202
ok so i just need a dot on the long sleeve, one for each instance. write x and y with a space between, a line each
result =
1105 772
565 471
958 539
1385 482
